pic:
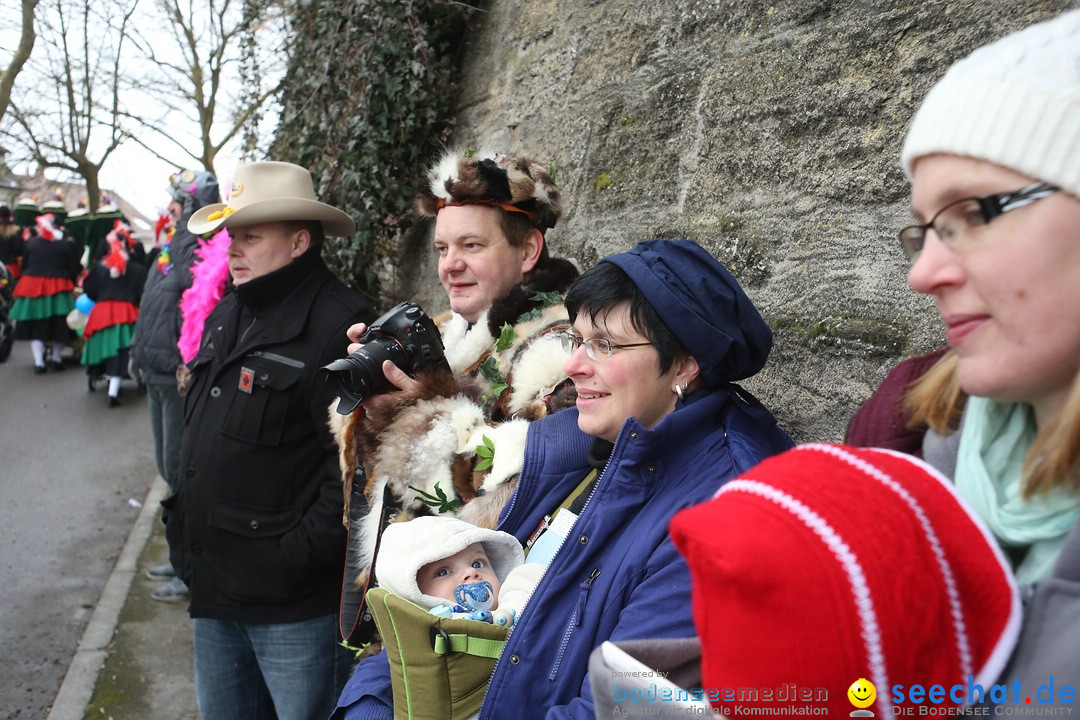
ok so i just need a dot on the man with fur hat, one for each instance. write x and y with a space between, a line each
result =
253 526
491 211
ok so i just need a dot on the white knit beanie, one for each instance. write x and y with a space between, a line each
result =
406 547
1015 102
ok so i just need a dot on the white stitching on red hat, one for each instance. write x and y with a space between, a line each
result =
963 647
864 604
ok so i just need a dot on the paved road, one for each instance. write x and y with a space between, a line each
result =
69 469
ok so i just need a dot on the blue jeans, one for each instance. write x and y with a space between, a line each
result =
166 423
287 671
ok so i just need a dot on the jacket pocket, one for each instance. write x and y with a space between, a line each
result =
575 622
251 540
174 534
259 408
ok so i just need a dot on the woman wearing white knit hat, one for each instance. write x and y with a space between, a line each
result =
994 160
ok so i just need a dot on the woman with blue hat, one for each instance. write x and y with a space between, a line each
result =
658 337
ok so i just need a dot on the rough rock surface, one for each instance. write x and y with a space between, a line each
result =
769 133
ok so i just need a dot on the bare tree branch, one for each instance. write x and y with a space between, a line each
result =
64 125
22 54
207 38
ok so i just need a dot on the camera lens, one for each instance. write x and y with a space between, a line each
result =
360 375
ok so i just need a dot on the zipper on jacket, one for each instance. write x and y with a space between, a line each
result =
574 622
584 596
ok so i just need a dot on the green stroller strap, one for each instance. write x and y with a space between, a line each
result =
461 643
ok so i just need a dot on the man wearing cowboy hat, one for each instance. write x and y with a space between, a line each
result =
254 528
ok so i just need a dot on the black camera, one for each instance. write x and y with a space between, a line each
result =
406 336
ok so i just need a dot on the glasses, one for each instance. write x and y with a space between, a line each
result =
961 219
595 348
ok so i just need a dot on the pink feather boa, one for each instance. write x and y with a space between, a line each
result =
209 275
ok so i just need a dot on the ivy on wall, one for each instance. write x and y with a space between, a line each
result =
367 103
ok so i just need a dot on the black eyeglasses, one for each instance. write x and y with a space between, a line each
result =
957 221
595 348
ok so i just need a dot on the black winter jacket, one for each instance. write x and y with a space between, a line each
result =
100 285
154 347
255 528
51 258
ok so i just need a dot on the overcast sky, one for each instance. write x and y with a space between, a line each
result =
132 171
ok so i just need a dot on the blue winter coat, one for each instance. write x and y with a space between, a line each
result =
618 576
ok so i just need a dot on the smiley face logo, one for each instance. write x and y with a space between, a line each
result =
862 693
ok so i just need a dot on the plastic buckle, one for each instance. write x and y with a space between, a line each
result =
437 632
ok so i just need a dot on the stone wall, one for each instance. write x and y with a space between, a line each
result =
769 133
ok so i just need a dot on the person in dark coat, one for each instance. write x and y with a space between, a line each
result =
11 243
254 528
154 349
44 295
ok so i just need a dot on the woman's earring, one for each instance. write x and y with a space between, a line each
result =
680 389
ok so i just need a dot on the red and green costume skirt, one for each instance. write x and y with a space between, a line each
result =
40 308
108 333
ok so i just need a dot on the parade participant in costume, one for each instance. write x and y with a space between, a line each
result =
417 449
254 526
11 243
155 346
658 337
134 249
116 286
995 190
44 295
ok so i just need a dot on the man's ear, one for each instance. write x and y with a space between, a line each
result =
533 245
301 242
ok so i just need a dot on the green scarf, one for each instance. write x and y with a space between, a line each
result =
994 441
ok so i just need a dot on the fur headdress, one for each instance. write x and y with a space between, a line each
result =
510 181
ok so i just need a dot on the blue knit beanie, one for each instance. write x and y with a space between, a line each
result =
702 304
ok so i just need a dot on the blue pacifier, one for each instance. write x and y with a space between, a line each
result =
475 596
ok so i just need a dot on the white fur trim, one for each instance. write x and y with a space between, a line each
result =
509 441
446 169
537 371
519 585
418 447
406 547
465 345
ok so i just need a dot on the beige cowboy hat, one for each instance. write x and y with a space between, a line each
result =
270 192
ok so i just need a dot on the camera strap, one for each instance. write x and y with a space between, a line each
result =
355 620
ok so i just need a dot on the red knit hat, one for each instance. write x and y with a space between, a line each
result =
828 564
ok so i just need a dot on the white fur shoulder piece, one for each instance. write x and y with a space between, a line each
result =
509 441
465 345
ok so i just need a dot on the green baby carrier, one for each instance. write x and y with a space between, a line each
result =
439 666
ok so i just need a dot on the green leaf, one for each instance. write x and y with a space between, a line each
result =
439 500
485 450
547 299
489 370
506 337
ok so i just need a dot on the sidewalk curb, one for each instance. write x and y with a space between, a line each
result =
82 675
